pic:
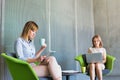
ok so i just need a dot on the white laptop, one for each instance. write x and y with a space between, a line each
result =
93 57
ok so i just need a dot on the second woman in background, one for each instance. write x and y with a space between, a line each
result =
96 68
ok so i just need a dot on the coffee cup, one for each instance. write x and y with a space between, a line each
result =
43 41
83 69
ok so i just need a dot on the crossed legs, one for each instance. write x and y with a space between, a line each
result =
54 69
49 67
95 69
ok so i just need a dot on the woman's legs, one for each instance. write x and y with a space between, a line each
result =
49 67
41 70
92 71
54 68
95 69
99 70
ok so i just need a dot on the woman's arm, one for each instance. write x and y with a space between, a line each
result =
104 56
41 50
32 60
19 50
36 59
89 51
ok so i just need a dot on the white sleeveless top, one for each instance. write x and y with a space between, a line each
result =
98 50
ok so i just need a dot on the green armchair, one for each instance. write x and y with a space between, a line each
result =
108 65
20 70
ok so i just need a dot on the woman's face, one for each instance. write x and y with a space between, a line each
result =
96 42
31 34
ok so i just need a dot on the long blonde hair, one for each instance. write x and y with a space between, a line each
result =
30 25
98 37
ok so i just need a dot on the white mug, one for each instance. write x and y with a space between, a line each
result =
43 41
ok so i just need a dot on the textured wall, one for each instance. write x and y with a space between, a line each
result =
0 27
71 25
107 24
1 46
67 26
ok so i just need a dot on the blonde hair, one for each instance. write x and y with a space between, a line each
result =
30 25
98 37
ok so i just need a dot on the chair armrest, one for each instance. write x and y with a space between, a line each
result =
80 60
110 62
13 59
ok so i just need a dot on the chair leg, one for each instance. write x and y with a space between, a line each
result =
95 77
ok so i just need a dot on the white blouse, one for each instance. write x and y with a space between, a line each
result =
98 50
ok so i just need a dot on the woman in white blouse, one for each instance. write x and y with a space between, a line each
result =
96 68
25 50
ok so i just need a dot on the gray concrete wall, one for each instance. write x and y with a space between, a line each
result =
0 27
71 22
74 15
67 26
107 24
2 65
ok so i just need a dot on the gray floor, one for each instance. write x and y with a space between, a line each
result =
117 77
84 77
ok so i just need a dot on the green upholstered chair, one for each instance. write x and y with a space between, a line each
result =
108 65
20 70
